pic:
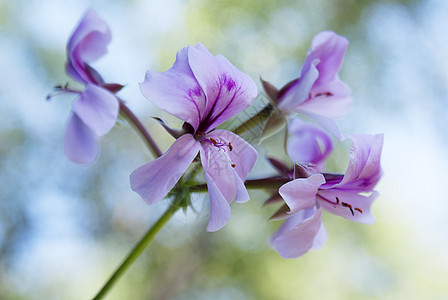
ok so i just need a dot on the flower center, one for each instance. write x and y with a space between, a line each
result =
221 146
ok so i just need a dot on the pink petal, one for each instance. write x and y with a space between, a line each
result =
352 198
294 97
80 145
228 90
334 107
364 169
97 108
308 143
301 193
176 91
87 43
154 180
243 155
219 207
320 239
297 234
327 123
218 166
329 48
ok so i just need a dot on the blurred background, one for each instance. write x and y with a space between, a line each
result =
64 228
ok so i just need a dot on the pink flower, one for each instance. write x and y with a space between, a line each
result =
349 196
204 91
95 111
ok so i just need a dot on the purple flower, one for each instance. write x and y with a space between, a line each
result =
204 91
308 144
318 90
95 111
349 196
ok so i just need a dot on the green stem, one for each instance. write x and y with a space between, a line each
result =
138 249
259 118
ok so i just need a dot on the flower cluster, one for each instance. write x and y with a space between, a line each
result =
204 91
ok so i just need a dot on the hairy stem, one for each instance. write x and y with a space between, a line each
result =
138 249
129 115
259 118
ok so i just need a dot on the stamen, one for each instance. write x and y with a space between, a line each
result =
344 204
213 141
349 206
324 94
230 146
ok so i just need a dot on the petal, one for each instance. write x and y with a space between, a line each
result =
321 238
228 90
217 165
308 143
364 169
154 180
301 193
243 155
80 145
97 108
329 96
329 48
242 194
356 200
327 123
176 91
334 107
87 43
298 92
297 234
219 207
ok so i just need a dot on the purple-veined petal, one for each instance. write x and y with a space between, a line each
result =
176 91
329 48
297 234
364 168
298 92
219 207
154 180
87 43
243 155
80 144
228 90
301 193
308 143
97 108
355 200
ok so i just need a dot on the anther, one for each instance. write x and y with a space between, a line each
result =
230 146
337 200
349 206
214 142
358 209
233 165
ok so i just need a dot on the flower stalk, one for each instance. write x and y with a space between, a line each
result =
138 249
